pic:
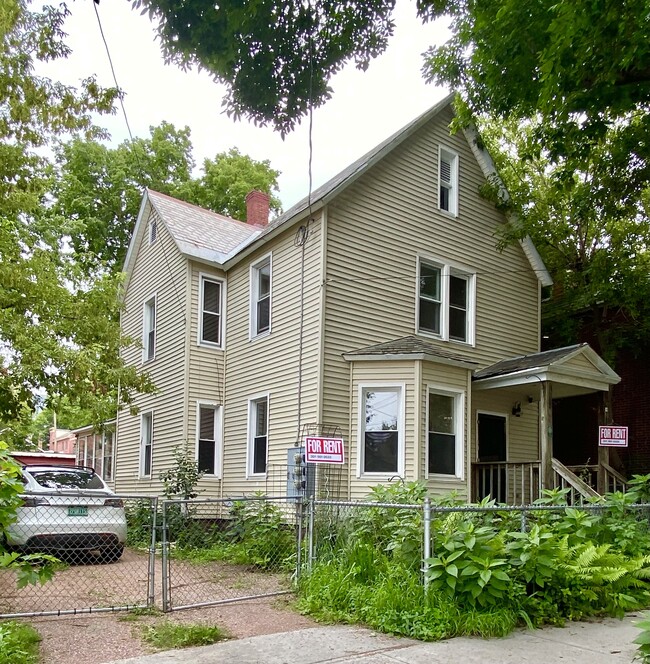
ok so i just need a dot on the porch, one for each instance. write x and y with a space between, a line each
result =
531 383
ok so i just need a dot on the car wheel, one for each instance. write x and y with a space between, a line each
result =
111 553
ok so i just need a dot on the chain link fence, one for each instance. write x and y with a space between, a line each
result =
221 551
104 545
411 532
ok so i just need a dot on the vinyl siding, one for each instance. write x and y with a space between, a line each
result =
159 268
270 364
454 379
206 380
377 229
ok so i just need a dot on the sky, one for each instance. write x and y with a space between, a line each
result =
366 107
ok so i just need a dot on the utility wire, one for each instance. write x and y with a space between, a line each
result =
120 96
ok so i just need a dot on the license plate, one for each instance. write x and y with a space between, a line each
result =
78 510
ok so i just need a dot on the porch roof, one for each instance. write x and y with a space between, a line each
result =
409 348
573 370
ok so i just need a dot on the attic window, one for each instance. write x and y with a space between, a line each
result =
448 181
153 231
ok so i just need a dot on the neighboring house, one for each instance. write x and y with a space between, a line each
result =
96 449
380 310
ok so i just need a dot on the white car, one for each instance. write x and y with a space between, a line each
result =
68 511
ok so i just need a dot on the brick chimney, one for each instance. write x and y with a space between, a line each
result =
257 208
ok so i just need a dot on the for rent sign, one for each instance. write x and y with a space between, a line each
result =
323 450
611 436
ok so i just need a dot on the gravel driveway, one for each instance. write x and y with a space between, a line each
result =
102 637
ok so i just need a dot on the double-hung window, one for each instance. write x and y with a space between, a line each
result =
382 430
146 444
445 440
445 302
210 322
258 428
149 329
448 181
207 449
261 297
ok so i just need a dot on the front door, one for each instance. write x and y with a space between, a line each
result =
492 481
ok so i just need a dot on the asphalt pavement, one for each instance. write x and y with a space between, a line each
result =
600 642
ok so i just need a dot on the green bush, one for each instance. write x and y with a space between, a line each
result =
488 570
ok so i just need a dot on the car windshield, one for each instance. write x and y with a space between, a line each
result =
67 479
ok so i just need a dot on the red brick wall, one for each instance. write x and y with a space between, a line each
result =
631 408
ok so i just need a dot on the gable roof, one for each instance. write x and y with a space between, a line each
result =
409 348
578 365
197 232
190 234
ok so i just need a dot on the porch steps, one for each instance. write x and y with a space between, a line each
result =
567 479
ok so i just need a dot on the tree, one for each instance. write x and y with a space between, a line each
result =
99 188
504 55
277 57
594 243
55 336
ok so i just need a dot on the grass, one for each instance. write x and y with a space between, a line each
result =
19 643
135 614
169 635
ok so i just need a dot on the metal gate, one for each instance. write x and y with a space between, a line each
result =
96 573
226 550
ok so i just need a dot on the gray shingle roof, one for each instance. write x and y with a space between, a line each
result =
525 362
410 345
202 233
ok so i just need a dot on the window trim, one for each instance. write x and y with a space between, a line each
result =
218 436
401 428
452 157
250 438
203 277
253 296
146 331
447 269
141 462
459 422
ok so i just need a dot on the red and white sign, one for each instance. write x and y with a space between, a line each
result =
323 450
610 436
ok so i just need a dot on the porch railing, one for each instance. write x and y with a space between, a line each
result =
509 482
579 489
593 474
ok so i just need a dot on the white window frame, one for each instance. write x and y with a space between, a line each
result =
448 270
146 327
218 435
459 428
203 278
451 184
143 445
250 436
372 386
254 296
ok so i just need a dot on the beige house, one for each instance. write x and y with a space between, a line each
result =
380 311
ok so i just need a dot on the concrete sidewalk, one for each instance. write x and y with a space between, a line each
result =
608 641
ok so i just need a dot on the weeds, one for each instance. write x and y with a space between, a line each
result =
169 635
19 643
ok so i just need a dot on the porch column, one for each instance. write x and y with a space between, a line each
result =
604 417
546 434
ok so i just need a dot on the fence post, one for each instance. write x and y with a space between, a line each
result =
165 569
311 532
523 520
151 600
427 542
300 511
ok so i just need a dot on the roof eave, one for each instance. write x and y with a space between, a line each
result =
490 172
427 357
